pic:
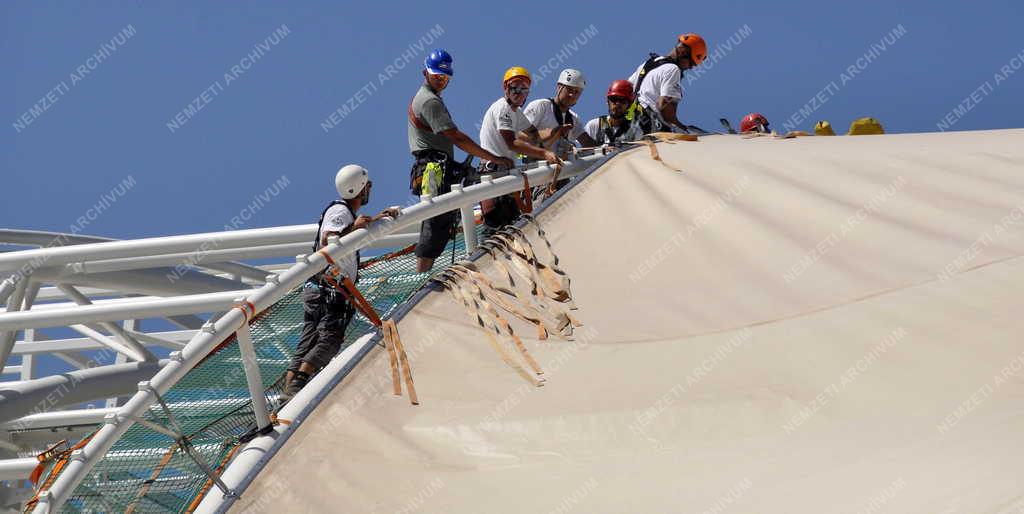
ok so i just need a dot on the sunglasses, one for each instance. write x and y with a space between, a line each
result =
618 99
518 90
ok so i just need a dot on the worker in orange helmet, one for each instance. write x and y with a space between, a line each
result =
656 84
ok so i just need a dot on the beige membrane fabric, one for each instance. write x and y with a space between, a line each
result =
820 325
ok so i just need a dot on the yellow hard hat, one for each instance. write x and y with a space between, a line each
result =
864 127
516 71
823 128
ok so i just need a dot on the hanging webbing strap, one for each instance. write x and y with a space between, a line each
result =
392 341
394 345
454 286
524 198
501 322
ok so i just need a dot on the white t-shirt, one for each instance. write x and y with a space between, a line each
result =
659 82
542 116
594 130
337 219
500 116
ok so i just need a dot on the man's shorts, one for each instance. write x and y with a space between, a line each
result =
435 233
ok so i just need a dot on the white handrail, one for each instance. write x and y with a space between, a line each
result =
11 261
211 335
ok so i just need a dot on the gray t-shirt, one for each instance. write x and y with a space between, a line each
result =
430 111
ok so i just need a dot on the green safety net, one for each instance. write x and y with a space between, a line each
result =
146 471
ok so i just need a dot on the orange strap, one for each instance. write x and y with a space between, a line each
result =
248 309
152 478
347 288
554 180
279 421
394 344
396 382
524 200
416 121
657 156
209 482
351 294
397 253
327 256
359 301
62 460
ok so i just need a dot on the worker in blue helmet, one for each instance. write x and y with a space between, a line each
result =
432 138
439 62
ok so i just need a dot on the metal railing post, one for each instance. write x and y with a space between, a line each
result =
252 376
468 223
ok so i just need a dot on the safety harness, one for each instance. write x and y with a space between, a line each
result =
563 118
320 224
636 111
653 61
608 134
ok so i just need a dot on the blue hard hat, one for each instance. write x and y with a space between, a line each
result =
439 61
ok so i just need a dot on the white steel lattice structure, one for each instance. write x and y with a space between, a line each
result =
101 288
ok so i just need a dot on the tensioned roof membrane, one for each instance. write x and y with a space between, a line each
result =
820 324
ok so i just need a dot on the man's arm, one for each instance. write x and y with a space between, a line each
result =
667 107
586 141
543 138
361 222
520 146
466 144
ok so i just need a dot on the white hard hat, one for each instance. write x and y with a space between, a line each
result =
350 180
572 77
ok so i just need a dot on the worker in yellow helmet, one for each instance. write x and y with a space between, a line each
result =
824 128
502 121
865 127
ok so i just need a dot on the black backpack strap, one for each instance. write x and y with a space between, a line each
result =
611 135
560 116
653 61
320 222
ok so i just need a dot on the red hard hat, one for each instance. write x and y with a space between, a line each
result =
752 121
621 88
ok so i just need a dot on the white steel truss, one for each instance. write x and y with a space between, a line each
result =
99 288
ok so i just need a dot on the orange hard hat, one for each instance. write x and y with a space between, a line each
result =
698 48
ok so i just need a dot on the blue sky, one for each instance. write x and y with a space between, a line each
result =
267 122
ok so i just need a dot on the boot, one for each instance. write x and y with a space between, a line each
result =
292 388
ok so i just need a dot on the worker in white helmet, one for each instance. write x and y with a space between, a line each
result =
556 126
326 311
